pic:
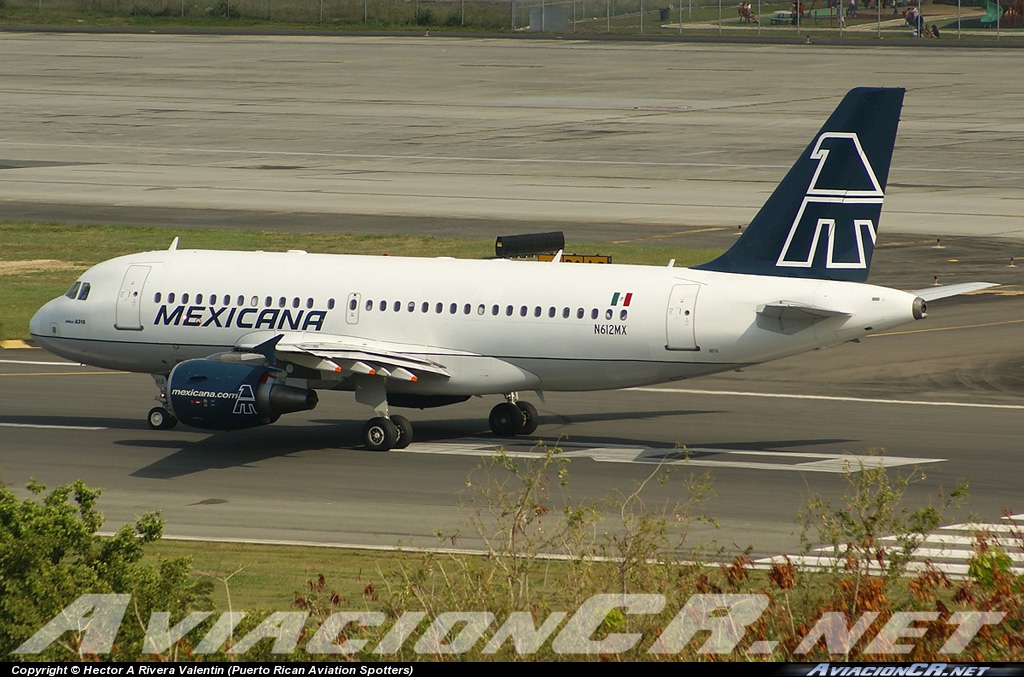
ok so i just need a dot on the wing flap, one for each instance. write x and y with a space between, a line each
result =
340 356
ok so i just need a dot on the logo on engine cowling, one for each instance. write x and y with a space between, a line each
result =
246 402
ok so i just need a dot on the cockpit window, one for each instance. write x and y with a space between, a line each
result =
73 292
83 293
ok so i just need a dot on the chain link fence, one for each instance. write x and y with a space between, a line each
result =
764 17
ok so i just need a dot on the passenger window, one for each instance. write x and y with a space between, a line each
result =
536 311
309 303
184 297
351 304
383 306
453 308
623 314
494 309
241 300
83 293
156 297
565 313
227 300
268 301
466 308
579 313
424 307
170 297
608 314
73 292
522 311
369 304
330 304
480 309
199 299
282 302
412 306
593 314
397 306
254 301
508 310
438 307
295 303
213 299
551 311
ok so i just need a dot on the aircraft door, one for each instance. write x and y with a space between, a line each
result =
352 308
679 320
129 299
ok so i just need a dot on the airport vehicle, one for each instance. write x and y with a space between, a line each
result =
236 339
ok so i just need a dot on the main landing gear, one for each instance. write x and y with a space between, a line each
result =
383 433
161 418
513 417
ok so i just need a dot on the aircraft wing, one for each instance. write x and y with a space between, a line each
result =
945 291
339 355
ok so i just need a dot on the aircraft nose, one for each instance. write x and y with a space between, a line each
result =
38 326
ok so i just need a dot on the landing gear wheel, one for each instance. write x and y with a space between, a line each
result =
506 420
380 434
530 417
404 427
161 419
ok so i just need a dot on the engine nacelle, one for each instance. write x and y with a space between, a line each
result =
224 396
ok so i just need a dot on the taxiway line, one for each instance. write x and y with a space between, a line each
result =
828 398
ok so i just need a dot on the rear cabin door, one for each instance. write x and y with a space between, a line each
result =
679 320
129 299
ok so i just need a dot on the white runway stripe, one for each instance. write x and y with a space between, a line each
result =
828 398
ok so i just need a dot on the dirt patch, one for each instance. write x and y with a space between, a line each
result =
36 266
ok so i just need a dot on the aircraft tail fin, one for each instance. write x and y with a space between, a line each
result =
822 219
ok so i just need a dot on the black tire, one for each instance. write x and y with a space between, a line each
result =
404 427
380 434
530 417
506 420
161 419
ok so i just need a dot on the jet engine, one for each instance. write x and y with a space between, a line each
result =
230 396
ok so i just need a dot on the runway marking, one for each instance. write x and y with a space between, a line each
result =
66 373
53 364
662 236
694 457
959 326
51 427
488 160
829 398
947 552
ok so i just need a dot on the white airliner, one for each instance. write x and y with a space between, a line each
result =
235 339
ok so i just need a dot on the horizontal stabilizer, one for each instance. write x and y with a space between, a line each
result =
945 291
797 312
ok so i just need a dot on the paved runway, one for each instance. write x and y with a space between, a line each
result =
665 143
770 437
312 132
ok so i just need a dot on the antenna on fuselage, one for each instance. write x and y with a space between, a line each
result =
174 245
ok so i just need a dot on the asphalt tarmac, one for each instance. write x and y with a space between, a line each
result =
674 144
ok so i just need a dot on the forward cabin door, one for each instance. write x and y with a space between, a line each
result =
129 299
680 332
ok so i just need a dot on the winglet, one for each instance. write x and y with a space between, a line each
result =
822 219
174 245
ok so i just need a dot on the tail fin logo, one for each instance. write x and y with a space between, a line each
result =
842 203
